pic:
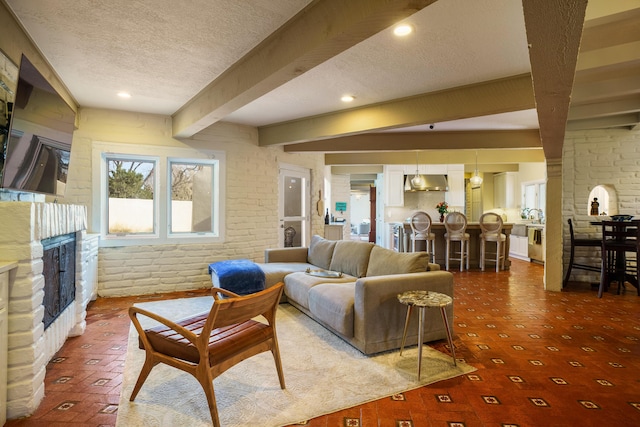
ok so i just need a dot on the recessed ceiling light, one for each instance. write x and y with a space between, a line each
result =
125 95
347 98
402 30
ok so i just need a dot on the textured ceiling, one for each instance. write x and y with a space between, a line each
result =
161 51
170 56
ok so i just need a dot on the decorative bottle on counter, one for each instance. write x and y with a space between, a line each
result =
326 217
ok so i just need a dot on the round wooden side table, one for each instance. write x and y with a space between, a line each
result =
423 300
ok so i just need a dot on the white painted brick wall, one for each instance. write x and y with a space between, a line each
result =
251 201
591 158
24 225
341 192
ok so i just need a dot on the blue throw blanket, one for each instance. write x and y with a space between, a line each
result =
241 276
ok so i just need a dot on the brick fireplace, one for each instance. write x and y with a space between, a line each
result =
24 227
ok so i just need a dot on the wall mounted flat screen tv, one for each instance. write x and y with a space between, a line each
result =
37 150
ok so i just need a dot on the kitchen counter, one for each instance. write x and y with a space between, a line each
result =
473 228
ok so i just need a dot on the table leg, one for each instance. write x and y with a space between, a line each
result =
420 338
446 325
406 326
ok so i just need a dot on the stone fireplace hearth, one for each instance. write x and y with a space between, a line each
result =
24 225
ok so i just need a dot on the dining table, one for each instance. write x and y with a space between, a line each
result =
618 239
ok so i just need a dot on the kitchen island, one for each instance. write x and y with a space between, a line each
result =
473 228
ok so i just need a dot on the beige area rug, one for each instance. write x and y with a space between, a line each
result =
323 374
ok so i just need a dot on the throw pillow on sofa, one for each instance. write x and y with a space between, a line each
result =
351 257
384 261
320 252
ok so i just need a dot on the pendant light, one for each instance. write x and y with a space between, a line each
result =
418 182
476 180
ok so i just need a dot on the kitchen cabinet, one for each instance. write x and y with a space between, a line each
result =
333 231
455 179
504 190
519 247
394 185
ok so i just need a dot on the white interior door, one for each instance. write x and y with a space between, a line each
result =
294 207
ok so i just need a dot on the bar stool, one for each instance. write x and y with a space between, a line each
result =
491 231
455 224
421 231
592 243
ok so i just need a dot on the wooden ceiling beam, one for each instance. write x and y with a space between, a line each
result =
437 157
619 121
606 108
492 97
320 31
553 30
431 140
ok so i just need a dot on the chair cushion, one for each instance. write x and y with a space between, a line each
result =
243 335
320 252
384 261
351 257
332 304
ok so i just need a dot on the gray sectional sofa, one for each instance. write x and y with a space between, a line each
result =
362 305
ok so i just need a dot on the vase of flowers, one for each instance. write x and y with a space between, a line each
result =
442 208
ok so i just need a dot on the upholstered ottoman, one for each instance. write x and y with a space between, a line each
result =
237 275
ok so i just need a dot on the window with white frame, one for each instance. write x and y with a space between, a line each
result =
172 196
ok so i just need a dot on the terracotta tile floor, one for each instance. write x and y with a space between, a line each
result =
543 359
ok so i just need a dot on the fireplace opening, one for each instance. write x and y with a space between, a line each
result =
59 275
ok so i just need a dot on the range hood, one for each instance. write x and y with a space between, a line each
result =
432 183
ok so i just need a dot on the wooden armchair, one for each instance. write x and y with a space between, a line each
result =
207 344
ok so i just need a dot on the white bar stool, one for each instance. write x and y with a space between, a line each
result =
455 224
491 231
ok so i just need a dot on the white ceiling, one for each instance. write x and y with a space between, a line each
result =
165 53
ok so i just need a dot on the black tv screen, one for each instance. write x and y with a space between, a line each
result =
37 152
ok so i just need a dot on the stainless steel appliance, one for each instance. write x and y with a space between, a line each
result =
400 238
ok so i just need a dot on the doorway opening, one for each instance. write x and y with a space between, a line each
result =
294 206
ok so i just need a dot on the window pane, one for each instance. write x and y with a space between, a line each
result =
294 187
191 198
131 196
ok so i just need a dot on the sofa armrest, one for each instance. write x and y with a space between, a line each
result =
377 311
285 255
378 289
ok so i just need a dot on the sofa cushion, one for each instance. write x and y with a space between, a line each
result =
384 261
332 305
351 257
298 285
320 252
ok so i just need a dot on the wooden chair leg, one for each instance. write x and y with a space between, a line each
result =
149 363
203 375
467 253
571 256
275 350
447 255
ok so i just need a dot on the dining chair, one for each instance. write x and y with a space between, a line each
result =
207 344
421 231
618 239
579 243
491 231
455 224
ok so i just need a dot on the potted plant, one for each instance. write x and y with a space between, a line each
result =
442 208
